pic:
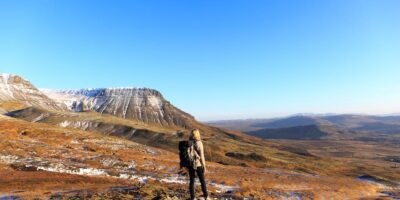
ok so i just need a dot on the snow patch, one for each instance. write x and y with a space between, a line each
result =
88 171
175 179
222 188
6 84
141 179
64 124
40 117
123 102
8 159
59 168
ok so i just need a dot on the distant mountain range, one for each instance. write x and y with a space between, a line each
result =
313 126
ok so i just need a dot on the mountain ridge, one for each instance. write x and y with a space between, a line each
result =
142 104
14 88
350 122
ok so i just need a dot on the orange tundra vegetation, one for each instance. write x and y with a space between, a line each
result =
55 145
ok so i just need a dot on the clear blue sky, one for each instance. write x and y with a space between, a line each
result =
214 59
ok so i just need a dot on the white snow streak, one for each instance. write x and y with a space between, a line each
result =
6 82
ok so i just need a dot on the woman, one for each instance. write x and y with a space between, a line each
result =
199 165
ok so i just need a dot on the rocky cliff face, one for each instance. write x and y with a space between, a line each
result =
15 88
140 104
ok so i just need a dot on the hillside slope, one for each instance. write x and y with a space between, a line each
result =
16 90
310 132
218 142
46 161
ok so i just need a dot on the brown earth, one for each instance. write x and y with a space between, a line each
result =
63 145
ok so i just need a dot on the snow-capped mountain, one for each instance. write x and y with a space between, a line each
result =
14 88
142 104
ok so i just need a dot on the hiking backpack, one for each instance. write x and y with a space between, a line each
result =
188 154
184 154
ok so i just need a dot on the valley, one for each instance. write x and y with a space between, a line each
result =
343 138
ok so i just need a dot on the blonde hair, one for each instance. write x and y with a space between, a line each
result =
195 134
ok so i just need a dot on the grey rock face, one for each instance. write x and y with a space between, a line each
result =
15 88
142 104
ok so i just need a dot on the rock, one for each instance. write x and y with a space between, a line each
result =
77 106
132 165
23 133
113 173
87 148
22 167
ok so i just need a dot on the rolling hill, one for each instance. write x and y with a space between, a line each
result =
307 132
345 122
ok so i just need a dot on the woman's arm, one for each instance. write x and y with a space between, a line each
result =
201 151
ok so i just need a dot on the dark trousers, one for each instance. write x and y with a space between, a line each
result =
200 174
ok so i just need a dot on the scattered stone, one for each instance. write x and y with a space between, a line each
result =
75 142
151 151
87 148
132 165
23 133
109 162
243 165
22 167
113 173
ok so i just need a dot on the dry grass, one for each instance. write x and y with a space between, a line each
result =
51 142
32 185
353 158
218 142
11 105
